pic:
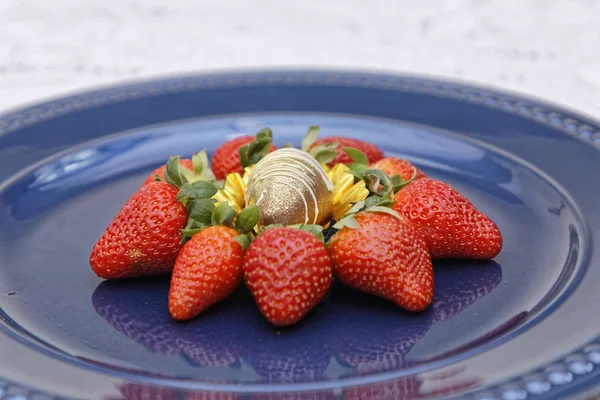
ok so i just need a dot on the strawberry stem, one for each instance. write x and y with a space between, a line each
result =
310 138
254 151
247 219
224 214
172 173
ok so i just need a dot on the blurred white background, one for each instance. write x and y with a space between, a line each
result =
548 49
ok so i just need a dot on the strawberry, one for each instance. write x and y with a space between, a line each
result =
382 253
145 236
372 152
451 225
160 171
396 166
235 154
288 272
209 267
207 270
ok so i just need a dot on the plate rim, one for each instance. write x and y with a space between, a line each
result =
552 114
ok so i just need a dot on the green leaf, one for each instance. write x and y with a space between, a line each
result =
358 206
244 155
310 138
347 222
157 178
224 214
186 192
193 224
172 173
192 228
375 178
399 183
248 219
357 169
358 176
220 184
199 161
325 153
356 155
397 180
244 241
386 203
204 189
201 210
254 151
196 190
385 210
202 166
191 231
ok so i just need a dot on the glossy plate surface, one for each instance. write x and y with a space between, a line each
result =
522 326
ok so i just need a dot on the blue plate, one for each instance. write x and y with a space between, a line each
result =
525 325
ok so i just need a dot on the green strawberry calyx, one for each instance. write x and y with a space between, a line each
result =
204 214
254 151
324 152
176 174
372 204
378 182
197 197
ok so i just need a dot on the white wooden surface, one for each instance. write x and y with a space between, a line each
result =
548 49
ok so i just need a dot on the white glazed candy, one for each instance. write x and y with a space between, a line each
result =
290 187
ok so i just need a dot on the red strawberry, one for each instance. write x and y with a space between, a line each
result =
226 159
386 257
451 225
144 238
372 152
288 271
396 166
160 171
207 270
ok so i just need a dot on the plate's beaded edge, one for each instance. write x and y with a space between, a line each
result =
567 371
512 105
562 373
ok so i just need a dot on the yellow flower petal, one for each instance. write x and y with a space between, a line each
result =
345 191
233 192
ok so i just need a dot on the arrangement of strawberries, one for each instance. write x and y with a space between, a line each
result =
382 246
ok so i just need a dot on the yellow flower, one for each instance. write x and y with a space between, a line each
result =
345 191
234 190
